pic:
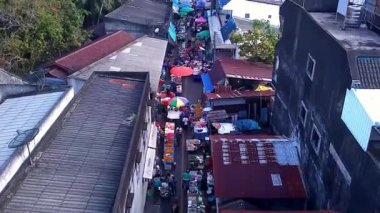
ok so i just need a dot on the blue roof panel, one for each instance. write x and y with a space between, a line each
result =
21 114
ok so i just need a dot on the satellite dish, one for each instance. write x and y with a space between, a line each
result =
23 137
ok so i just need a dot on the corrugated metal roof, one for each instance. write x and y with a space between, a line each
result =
268 164
369 72
222 92
22 113
81 167
145 12
92 52
246 70
145 54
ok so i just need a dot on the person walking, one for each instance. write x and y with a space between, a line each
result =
185 122
186 177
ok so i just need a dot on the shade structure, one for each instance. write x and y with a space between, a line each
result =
181 71
178 102
200 20
185 4
186 10
205 34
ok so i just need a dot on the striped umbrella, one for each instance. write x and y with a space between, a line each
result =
178 102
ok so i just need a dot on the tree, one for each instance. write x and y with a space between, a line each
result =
36 31
259 43
97 8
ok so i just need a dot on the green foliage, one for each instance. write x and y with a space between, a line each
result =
32 32
259 43
97 8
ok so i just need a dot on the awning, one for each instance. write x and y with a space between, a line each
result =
207 84
149 163
153 137
172 32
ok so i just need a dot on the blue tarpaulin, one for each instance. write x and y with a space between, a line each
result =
207 84
172 32
222 3
200 4
228 28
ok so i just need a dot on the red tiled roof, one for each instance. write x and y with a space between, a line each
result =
92 52
262 211
268 166
247 70
223 92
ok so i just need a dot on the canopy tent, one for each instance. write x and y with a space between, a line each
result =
186 10
172 32
205 34
181 71
200 4
200 20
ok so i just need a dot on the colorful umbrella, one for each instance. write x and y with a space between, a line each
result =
186 10
200 20
181 71
178 102
205 34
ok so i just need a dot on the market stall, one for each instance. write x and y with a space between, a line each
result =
200 129
194 194
169 149
192 145
196 161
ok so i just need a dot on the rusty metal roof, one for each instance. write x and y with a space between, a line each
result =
223 92
91 53
234 68
268 165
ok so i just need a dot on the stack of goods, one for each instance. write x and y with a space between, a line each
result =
192 144
169 145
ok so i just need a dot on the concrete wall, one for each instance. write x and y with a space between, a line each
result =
76 84
15 89
256 10
333 172
112 25
22 154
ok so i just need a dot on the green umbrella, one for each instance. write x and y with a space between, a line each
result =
186 10
205 34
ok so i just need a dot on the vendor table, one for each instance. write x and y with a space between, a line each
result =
169 145
216 115
196 161
192 144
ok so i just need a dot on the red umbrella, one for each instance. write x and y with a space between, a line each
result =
181 71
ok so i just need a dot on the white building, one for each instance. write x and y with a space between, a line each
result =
267 10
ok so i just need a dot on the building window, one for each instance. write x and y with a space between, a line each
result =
247 15
303 113
315 139
269 16
310 67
